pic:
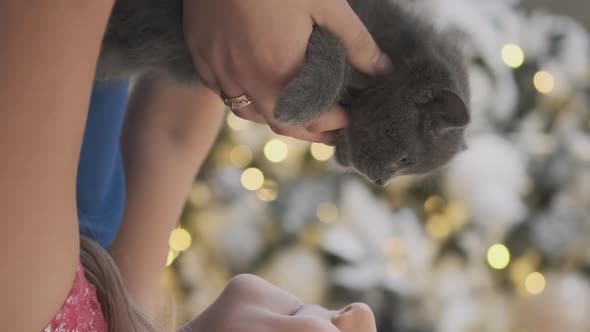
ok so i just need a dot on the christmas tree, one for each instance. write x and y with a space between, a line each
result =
497 241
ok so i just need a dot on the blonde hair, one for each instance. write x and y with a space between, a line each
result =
121 314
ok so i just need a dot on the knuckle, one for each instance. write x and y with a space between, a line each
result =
240 113
242 283
315 126
277 67
279 130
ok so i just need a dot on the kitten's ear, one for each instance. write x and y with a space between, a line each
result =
446 111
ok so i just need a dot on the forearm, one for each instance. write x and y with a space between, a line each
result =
167 135
47 62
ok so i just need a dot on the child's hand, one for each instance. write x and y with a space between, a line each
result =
250 304
357 317
256 47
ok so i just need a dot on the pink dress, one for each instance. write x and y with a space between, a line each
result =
81 312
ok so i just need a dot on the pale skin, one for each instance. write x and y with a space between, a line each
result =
256 47
50 52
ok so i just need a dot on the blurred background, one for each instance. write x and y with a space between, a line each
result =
498 241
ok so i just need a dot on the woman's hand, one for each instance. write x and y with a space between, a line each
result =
256 47
250 304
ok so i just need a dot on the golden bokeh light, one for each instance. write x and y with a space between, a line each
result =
434 204
438 226
457 214
498 256
327 212
269 191
276 150
240 156
513 55
252 179
321 152
544 82
180 240
535 283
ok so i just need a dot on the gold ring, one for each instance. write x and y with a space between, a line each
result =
237 102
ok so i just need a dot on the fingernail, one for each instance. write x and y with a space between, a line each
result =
345 310
382 64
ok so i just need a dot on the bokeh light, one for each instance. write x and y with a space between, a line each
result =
434 204
513 55
327 212
252 179
535 283
180 240
276 150
498 256
240 156
321 152
457 214
269 191
544 82
438 226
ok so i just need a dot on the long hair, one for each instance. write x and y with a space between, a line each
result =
121 314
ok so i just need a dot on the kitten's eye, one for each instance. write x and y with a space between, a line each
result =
405 162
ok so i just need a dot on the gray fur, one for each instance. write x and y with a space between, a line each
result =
419 112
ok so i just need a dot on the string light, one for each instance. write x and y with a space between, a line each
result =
252 179
180 240
236 123
240 156
327 212
544 82
438 226
512 55
321 152
269 191
276 150
434 204
498 256
535 283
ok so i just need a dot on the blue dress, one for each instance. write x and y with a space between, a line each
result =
101 178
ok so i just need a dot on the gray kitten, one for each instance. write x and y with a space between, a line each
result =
409 122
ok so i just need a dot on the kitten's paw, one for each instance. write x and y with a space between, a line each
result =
295 108
321 83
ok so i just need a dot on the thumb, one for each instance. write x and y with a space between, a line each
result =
340 19
355 317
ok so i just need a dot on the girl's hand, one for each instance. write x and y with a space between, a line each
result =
250 304
357 317
256 47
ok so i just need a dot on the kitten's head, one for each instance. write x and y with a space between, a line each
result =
409 123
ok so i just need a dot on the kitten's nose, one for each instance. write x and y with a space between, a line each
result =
378 182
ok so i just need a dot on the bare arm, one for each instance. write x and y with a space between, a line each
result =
49 52
167 135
